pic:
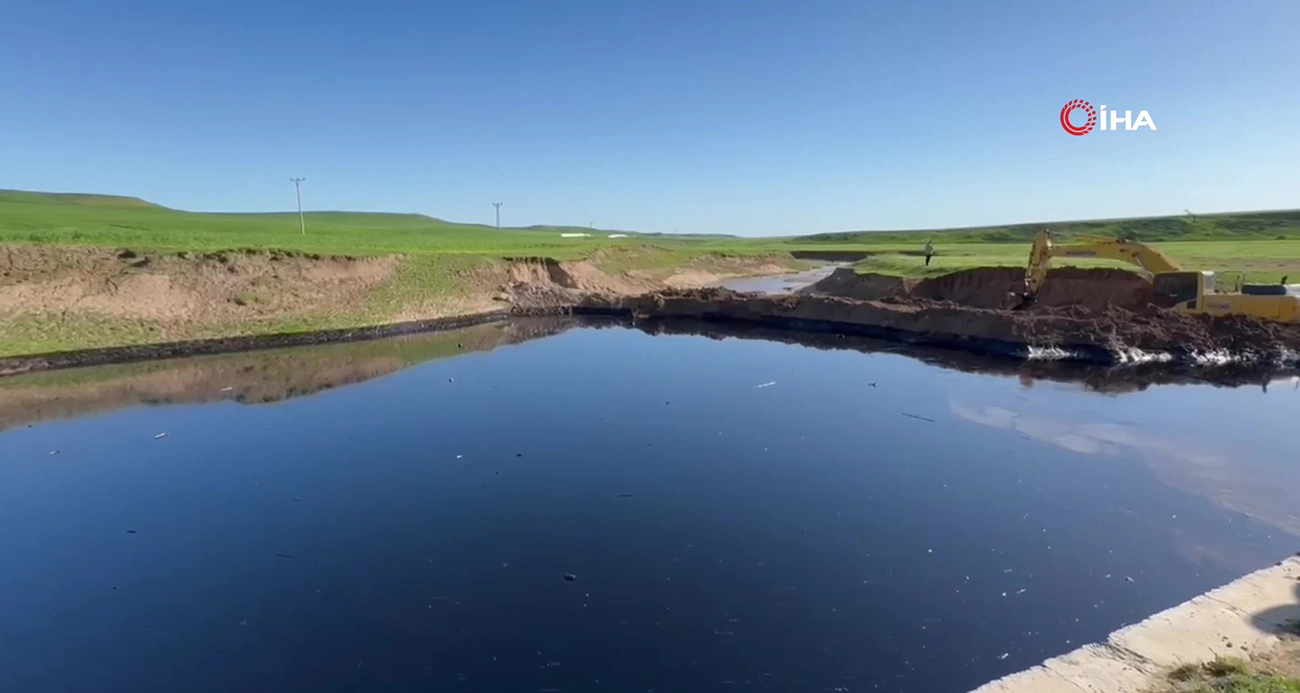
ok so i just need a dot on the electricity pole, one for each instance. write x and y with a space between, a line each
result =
297 190
498 206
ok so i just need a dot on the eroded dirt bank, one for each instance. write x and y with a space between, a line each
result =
55 298
993 287
1100 336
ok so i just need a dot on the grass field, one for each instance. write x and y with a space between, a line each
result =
1259 261
438 254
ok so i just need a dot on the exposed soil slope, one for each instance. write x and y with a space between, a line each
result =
55 298
1075 328
180 288
992 287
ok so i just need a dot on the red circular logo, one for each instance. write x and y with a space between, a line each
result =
1068 108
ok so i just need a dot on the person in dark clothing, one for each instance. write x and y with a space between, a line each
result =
929 252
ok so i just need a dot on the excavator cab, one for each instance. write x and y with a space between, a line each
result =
1181 290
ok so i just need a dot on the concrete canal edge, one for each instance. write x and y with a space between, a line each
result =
1243 617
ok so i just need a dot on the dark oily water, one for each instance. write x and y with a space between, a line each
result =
606 510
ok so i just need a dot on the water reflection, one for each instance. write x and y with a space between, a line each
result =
1242 478
732 510
280 374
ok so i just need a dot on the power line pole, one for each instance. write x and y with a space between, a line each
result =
498 206
297 191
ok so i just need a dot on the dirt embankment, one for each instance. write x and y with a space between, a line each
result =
55 298
187 288
1089 334
535 282
994 287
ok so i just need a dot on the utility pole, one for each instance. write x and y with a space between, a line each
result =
297 190
498 206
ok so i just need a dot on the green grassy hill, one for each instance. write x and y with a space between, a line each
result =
63 219
1266 245
1276 225
83 219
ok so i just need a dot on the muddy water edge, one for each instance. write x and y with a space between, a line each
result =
814 513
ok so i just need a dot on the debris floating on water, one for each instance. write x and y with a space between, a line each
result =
570 577
1004 656
160 436
626 495
54 452
765 385
283 555
130 531
921 418
227 389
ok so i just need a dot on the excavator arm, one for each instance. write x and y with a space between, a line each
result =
1148 259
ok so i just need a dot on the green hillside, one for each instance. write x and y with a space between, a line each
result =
1275 225
63 219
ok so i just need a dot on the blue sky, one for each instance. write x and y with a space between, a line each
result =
727 116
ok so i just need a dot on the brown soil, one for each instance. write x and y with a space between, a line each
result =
187 288
994 288
1074 328
846 283
531 275
181 297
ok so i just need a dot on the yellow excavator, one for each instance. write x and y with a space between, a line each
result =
1172 286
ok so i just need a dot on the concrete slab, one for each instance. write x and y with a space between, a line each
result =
1232 621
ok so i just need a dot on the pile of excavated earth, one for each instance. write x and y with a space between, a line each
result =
1093 314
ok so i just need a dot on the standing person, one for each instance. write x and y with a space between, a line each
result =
929 252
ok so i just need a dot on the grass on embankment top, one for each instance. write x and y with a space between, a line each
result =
1231 675
1262 262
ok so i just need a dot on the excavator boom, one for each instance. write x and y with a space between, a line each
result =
1148 259
1172 287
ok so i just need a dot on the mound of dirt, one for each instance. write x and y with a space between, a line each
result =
995 288
846 283
548 273
1095 289
982 287
916 320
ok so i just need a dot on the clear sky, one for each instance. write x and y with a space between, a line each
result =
724 116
